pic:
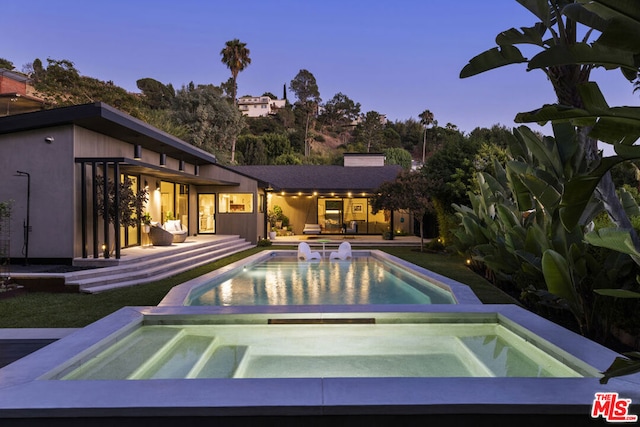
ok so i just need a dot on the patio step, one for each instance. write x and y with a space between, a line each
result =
145 269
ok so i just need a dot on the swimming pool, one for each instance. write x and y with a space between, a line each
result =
277 278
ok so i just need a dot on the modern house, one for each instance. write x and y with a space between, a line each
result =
259 106
51 161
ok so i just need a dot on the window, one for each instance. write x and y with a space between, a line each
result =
235 203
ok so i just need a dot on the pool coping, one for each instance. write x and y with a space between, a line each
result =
26 392
179 294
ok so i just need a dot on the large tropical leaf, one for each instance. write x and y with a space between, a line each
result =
540 8
579 191
629 203
491 59
622 366
617 20
543 189
613 238
617 293
584 54
542 149
617 125
557 276
526 35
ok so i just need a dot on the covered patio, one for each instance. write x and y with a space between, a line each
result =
335 199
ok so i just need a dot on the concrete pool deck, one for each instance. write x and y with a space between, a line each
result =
28 390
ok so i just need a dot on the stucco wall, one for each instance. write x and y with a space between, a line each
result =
51 169
247 225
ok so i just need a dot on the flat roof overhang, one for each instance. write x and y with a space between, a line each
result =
135 167
104 119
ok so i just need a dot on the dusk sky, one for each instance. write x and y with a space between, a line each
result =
394 57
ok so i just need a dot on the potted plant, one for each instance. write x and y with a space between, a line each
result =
146 222
272 233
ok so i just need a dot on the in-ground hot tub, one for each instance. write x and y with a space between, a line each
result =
311 347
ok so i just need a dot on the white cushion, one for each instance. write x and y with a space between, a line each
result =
173 225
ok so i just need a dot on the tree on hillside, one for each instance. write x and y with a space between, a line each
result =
61 84
340 110
426 120
235 56
213 123
398 156
156 94
371 131
305 87
410 131
409 192
6 64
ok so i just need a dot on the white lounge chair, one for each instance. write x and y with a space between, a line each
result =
344 252
305 253
312 229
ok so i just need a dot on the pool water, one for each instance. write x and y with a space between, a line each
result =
361 280
293 350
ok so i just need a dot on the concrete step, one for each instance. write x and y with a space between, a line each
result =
154 267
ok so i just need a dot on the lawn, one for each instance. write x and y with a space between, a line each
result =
55 310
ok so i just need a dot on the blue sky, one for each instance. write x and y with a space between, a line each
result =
395 57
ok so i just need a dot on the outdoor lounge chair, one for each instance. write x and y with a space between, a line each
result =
305 253
312 229
344 252
159 236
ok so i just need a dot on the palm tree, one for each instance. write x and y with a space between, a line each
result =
235 56
426 119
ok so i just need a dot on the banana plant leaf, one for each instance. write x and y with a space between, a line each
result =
613 238
579 191
543 190
622 366
543 149
617 20
557 276
629 203
617 293
539 8
491 59
617 125
526 35
584 54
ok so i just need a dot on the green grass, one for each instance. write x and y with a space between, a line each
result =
55 310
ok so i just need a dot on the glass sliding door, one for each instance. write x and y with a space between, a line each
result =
130 236
174 202
206 213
